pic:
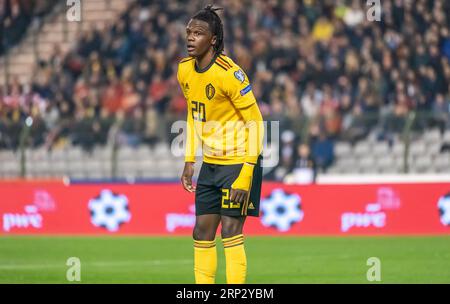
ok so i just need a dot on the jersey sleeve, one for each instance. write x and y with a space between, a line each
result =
237 87
255 132
180 81
191 140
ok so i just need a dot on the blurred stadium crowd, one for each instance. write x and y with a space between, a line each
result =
16 16
319 67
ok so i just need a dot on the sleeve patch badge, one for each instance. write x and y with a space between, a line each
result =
246 90
239 74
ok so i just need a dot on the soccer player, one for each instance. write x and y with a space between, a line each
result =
224 118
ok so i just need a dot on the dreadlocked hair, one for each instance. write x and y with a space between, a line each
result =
209 15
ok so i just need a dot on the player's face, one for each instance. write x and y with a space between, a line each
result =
199 38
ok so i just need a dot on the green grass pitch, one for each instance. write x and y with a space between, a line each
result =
28 259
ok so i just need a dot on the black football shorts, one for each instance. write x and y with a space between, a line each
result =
212 195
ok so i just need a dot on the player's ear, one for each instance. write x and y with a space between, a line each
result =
213 40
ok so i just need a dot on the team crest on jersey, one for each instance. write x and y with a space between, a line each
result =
239 74
210 91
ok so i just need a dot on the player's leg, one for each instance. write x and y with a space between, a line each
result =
233 219
205 227
232 225
207 210
205 252
233 243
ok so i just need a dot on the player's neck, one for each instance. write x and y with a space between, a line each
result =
205 60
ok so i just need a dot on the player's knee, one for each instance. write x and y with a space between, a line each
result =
231 229
203 233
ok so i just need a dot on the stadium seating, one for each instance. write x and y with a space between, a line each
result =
378 91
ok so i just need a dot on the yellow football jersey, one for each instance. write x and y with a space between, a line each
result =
214 97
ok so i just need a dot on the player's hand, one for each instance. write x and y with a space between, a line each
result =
238 196
186 177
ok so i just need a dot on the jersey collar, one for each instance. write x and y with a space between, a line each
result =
206 68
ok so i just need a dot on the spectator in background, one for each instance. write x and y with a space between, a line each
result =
322 150
37 129
82 130
355 125
441 113
303 170
311 100
286 157
396 121
102 125
322 30
133 126
329 115
16 16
